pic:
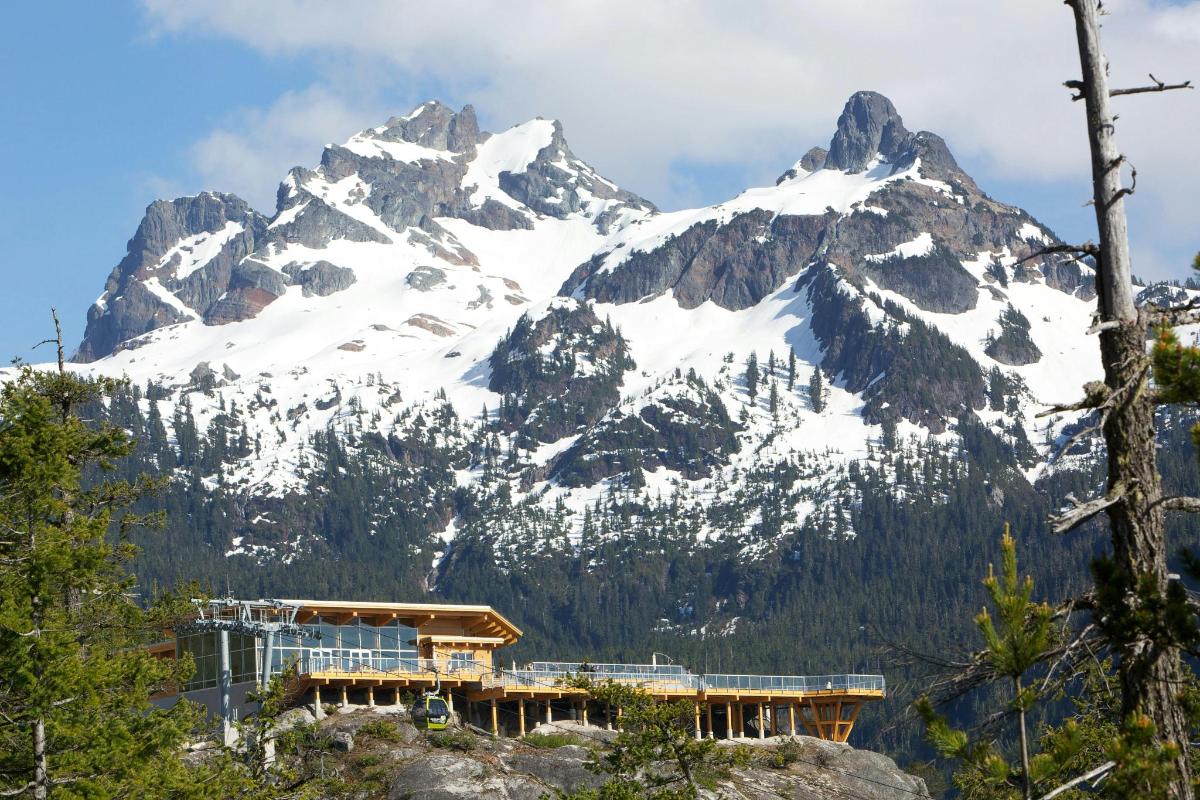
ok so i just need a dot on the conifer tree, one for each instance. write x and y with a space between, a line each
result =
773 399
752 377
817 393
75 680
791 375
1014 642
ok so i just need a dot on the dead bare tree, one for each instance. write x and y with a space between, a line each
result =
1150 666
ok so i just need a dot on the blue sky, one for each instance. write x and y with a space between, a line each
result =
111 105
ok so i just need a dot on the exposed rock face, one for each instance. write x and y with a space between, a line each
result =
1013 346
934 281
410 765
558 373
735 265
683 426
912 372
161 251
736 260
557 183
320 278
869 126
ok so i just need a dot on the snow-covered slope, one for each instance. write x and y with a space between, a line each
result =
393 275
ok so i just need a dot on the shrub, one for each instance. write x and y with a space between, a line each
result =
452 740
549 740
382 729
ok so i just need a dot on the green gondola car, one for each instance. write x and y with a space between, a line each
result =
430 713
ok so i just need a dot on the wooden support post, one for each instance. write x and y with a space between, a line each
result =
708 709
549 712
370 696
620 717
791 719
762 732
585 719
450 701
774 720
729 720
395 695
345 701
739 721
696 709
495 719
318 708
521 716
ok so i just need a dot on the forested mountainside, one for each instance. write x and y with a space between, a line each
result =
766 434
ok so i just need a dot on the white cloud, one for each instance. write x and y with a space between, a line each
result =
250 154
643 87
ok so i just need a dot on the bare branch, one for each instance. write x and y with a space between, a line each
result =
1180 503
1085 249
1095 395
1159 86
1174 316
1082 512
1084 778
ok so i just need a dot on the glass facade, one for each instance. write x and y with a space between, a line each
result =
353 645
204 649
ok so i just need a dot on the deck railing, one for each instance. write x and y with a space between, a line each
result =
810 684
670 678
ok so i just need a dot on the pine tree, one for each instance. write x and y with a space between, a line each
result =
773 402
771 363
75 679
817 393
1020 641
791 375
752 377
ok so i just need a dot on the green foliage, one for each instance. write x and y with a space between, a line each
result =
1016 640
817 393
75 678
752 377
382 729
452 740
549 741
656 755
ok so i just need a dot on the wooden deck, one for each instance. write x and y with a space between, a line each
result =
825 707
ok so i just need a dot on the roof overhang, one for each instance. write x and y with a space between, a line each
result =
482 622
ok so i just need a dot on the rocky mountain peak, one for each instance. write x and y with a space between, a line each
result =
869 126
433 124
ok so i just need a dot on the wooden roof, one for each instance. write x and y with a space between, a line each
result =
479 621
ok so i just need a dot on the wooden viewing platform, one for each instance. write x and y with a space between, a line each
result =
369 653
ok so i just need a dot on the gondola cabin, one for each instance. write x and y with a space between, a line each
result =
430 713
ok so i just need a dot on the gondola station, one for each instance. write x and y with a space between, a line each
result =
443 659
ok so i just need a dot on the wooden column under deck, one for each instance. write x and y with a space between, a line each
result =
696 709
495 719
762 733
708 710
729 720
791 719
521 716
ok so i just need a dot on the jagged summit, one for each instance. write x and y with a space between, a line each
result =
406 187
870 127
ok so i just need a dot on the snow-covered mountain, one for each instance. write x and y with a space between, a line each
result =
425 265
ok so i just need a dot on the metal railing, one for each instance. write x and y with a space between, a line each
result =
373 663
550 674
795 683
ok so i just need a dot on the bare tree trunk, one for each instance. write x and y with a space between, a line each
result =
1027 783
1149 673
41 775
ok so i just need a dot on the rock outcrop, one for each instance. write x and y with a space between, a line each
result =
159 283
